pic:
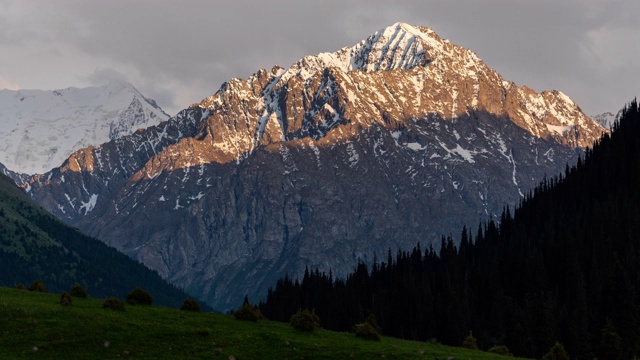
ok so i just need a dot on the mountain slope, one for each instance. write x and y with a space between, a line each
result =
35 245
562 268
398 139
40 129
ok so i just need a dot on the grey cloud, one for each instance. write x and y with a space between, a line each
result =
181 52
106 75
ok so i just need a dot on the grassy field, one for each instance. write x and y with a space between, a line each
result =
35 326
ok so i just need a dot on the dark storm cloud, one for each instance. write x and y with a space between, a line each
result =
181 52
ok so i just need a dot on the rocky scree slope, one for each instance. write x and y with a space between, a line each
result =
399 139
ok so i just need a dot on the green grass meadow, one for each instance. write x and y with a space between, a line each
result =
36 326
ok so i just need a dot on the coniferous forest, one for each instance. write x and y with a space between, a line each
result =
563 266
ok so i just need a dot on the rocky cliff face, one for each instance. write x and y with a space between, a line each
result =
398 140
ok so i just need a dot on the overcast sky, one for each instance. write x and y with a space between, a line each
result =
179 52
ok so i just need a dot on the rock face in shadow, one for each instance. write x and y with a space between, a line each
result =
400 139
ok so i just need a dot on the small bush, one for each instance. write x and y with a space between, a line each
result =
78 291
247 312
139 296
371 320
66 299
366 331
557 352
38 286
500 350
190 305
369 329
113 303
305 320
470 342
19 286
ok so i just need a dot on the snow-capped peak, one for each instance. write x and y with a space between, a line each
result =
399 46
39 129
408 72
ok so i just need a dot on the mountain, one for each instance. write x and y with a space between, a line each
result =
36 245
606 120
562 269
40 129
398 139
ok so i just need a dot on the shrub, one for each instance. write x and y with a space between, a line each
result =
371 320
113 303
366 331
500 350
190 305
78 291
19 286
557 352
38 286
470 342
305 320
139 296
66 299
247 312
369 329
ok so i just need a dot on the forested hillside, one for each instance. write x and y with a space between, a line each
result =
563 267
35 245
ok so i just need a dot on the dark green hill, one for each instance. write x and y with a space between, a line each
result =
35 245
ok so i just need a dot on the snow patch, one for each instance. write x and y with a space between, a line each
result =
89 205
178 206
197 197
466 154
559 129
415 146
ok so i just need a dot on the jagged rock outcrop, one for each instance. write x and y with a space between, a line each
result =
398 140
